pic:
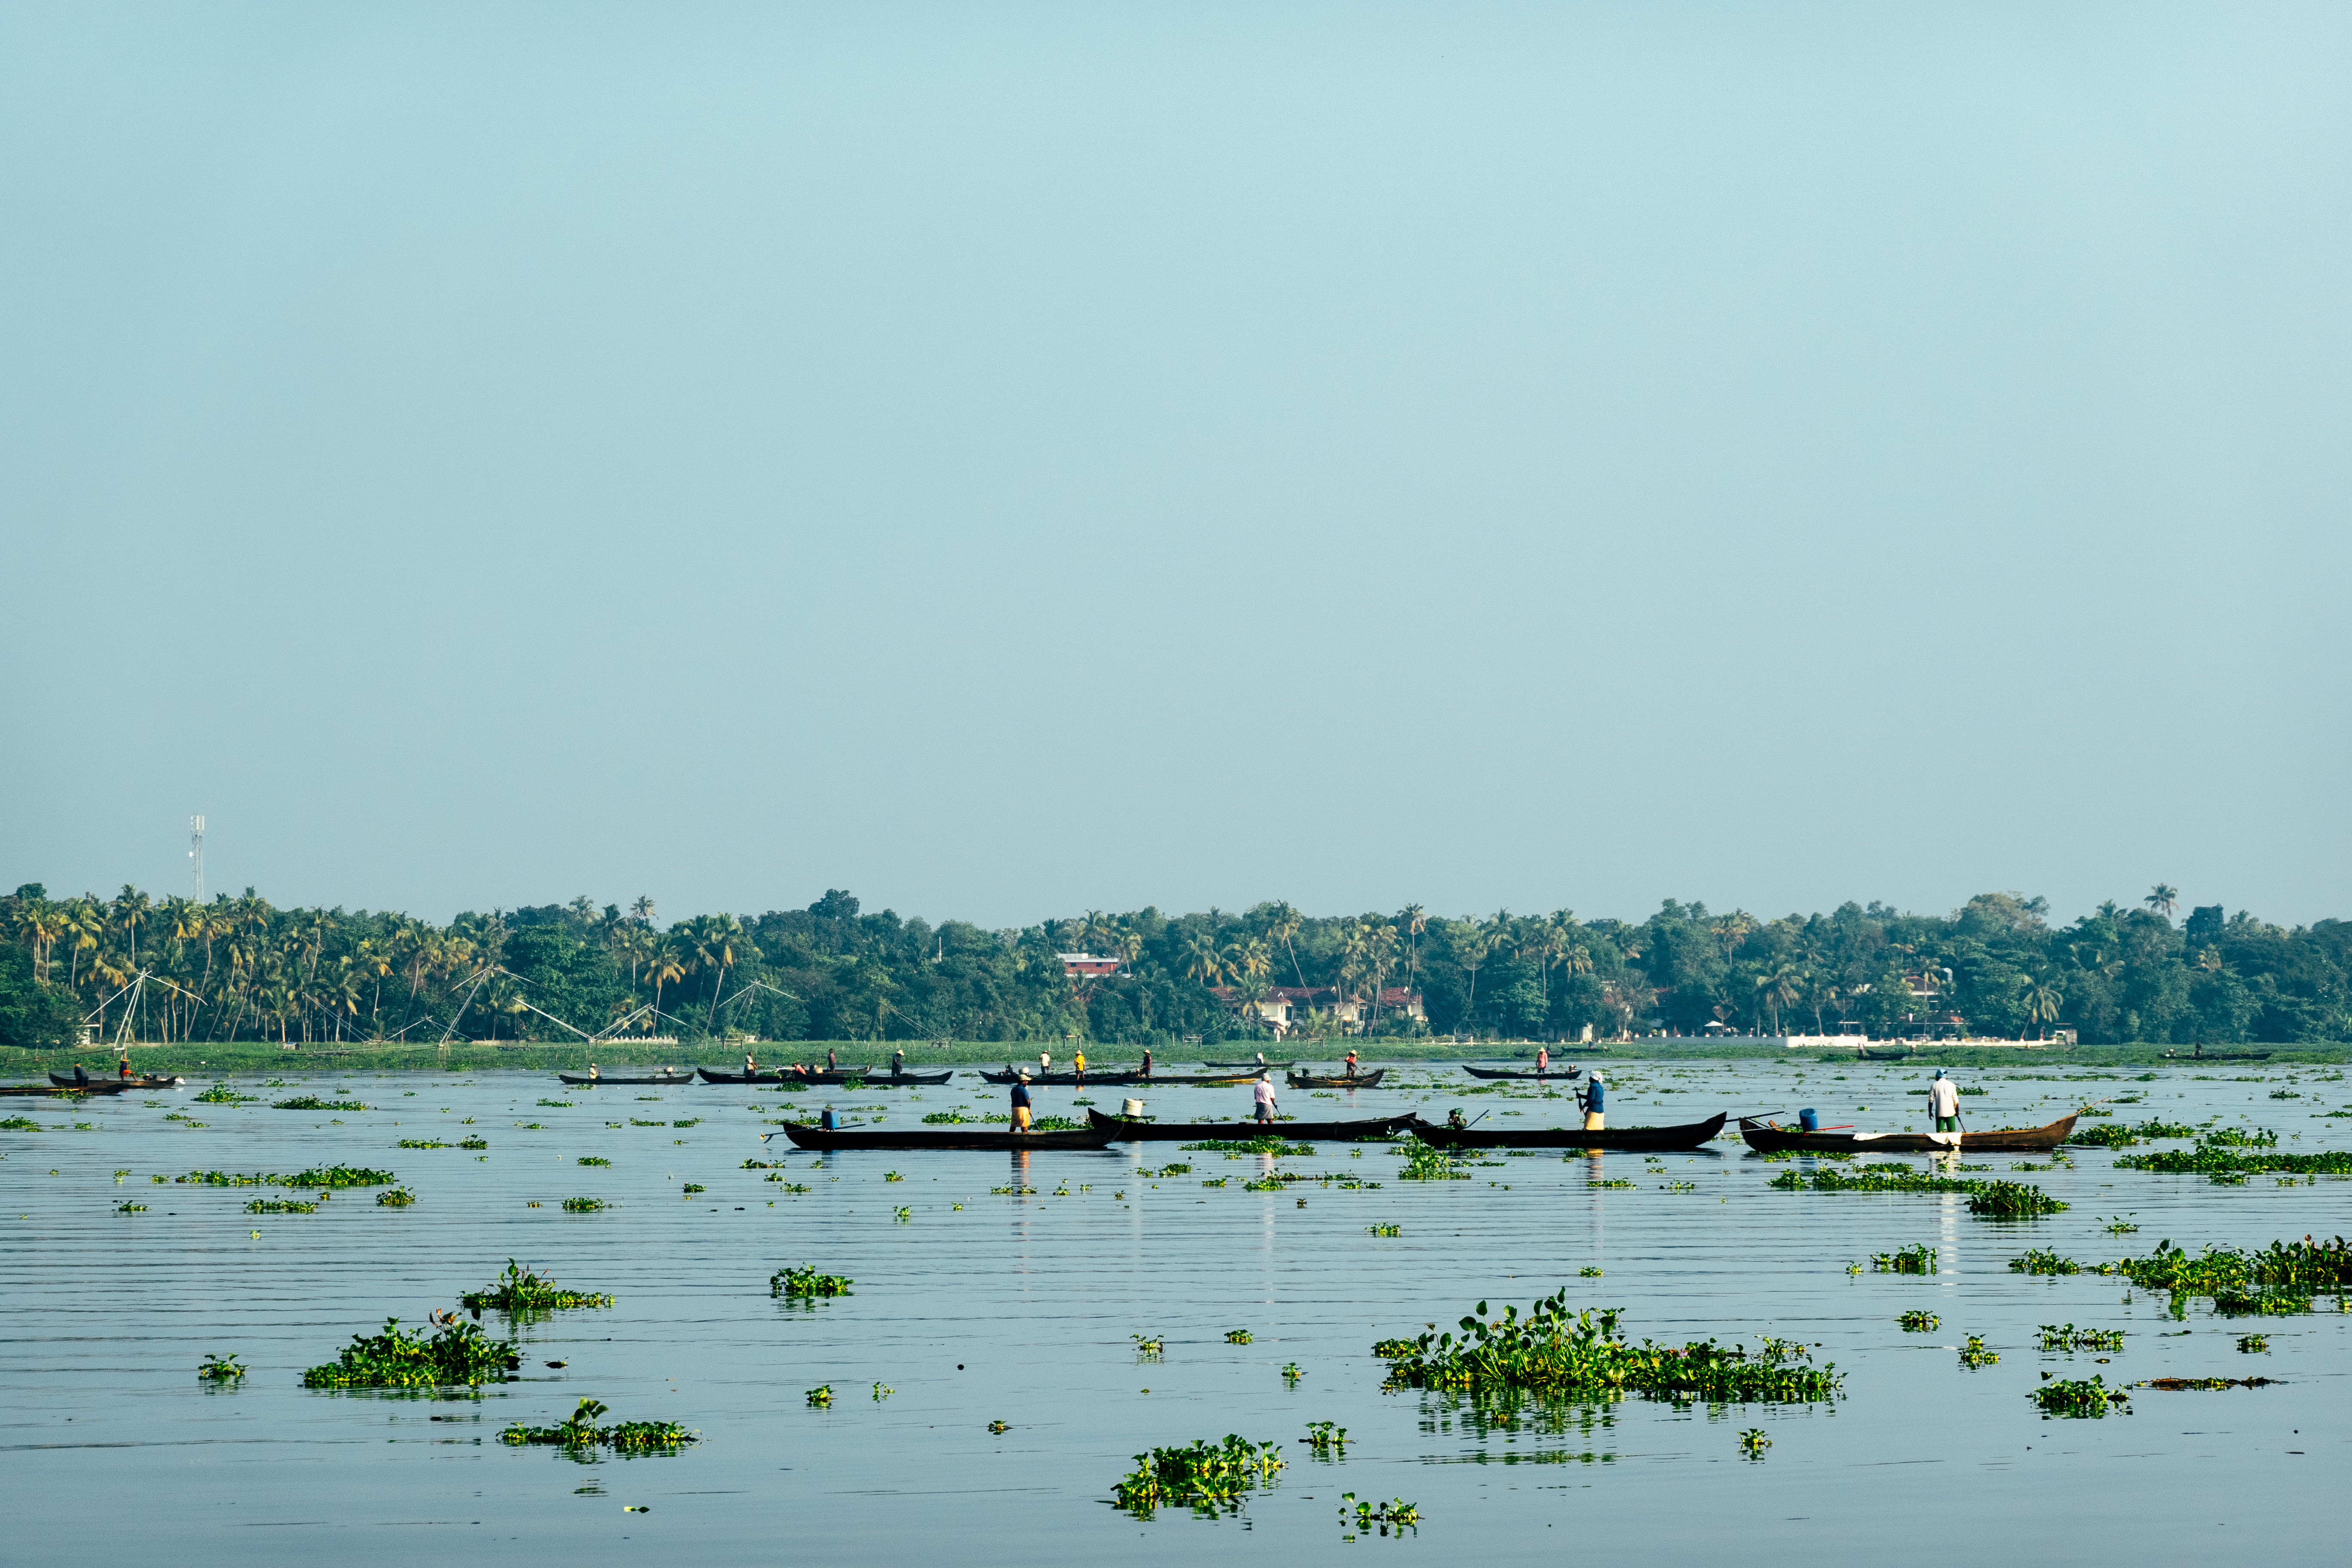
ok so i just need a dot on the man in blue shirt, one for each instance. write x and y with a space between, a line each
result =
1021 1103
1592 1098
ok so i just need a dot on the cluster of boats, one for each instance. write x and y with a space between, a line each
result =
65 1083
1763 1135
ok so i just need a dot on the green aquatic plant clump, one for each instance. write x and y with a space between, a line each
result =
1918 1259
2106 1135
1552 1352
1425 1163
2011 1200
2079 1397
1919 1320
317 1177
581 1431
2067 1337
280 1205
1203 1476
220 1369
221 1094
520 1290
313 1103
396 1198
1267 1144
2042 1260
584 1205
2210 1159
458 1353
804 1280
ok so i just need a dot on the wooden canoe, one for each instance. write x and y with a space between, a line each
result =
1140 1132
581 1080
1689 1135
873 1077
1558 1072
809 1136
1339 1080
1769 1138
98 1085
1122 1078
1253 1066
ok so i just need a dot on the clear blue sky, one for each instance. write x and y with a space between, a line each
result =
1005 461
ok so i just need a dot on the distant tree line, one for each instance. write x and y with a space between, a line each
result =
240 968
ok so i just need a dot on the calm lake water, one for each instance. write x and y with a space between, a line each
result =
1018 1307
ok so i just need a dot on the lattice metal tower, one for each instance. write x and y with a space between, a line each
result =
197 855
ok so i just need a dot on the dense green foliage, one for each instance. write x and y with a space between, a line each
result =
520 1290
1998 1200
2087 1396
580 1431
1555 1353
2280 1279
239 968
804 1280
458 1353
1202 1475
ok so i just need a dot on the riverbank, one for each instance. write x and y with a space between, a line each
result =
194 1059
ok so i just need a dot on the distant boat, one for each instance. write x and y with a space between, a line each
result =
1561 1072
1765 1138
1689 1135
808 1136
1295 1132
1339 1080
582 1080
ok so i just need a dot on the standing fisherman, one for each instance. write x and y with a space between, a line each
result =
898 1062
1351 1063
1543 1060
1021 1103
1262 1096
1079 1065
1147 1061
1944 1102
1592 1099
832 1062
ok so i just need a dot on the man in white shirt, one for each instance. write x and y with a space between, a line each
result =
1944 1103
1263 1096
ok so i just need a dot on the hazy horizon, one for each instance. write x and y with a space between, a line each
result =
1011 462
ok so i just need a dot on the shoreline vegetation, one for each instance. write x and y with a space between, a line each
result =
239 982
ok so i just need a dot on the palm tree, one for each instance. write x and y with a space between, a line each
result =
2042 1000
131 907
1283 923
1471 948
1778 988
1415 920
2162 899
663 965
1202 962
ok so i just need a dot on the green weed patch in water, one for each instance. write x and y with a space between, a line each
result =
2011 1200
221 1094
317 1177
1394 1514
1919 1321
1384 1230
581 1431
594 1160
126 1206
520 1290
220 1369
1555 1353
2042 1260
1919 1258
1268 1144
1237 1337
280 1205
804 1280
313 1103
1203 1476
2239 1137
584 1205
473 1143
458 1353
422 1143
2207 1160
397 1198
2067 1337
1425 1163
2252 1345
1170 1170
2079 1397
2105 1136
23 1124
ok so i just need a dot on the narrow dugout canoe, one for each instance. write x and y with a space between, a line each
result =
581 1080
808 1136
1339 1080
875 1078
1560 1072
1138 1132
98 1085
1767 1137
1689 1135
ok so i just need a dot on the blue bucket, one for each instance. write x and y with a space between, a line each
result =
1809 1121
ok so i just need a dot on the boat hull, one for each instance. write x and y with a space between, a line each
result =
873 1079
1561 1073
1689 1135
581 1080
811 1137
1129 1130
1315 1080
1767 1139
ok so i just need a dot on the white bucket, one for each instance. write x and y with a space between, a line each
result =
1130 1107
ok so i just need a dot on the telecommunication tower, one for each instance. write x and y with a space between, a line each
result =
197 855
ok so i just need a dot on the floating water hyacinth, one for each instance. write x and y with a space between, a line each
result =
2078 1397
1204 1476
804 1280
313 1103
1919 1258
581 1431
520 1290
220 1369
1918 1321
458 1353
2067 1337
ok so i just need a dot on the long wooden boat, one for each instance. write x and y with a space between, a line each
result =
1339 1080
873 1077
1253 1065
1689 1135
1132 1130
1768 1138
1560 1072
810 1136
98 1085
1123 1079
582 1080
1108 1077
